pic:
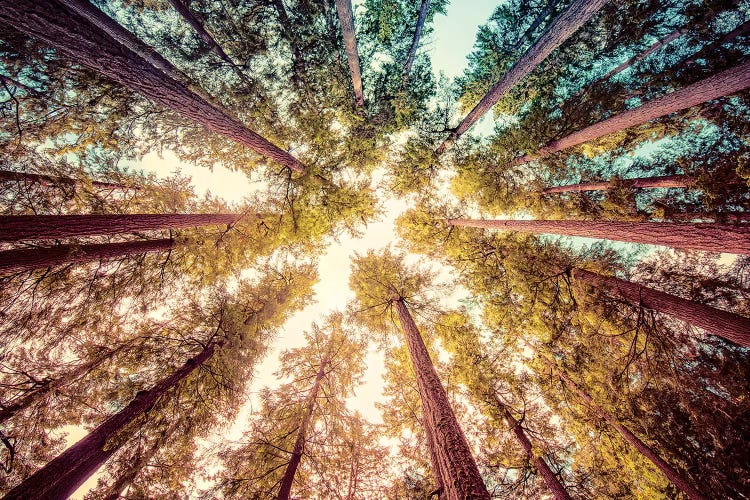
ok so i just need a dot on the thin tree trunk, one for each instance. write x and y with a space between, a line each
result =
681 482
346 19
727 325
87 44
717 216
15 83
46 227
740 30
725 83
563 27
16 261
46 180
285 490
457 469
539 19
114 492
423 9
286 27
662 181
683 235
61 477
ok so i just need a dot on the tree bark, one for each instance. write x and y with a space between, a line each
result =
662 181
681 482
423 9
61 477
725 83
16 261
84 42
539 19
727 325
683 235
114 492
563 27
457 469
346 19
285 490
740 30
717 216
46 180
46 227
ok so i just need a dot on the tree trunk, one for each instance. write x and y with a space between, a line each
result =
46 227
346 19
15 83
46 180
683 235
539 19
681 482
61 477
740 30
563 27
725 83
457 470
550 478
727 325
16 261
87 44
285 490
717 216
114 492
662 181
423 9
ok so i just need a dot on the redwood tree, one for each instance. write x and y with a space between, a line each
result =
662 181
423 9
346 19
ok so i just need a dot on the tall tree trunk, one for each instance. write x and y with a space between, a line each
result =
46 227
423 9
457 470
662 181
727 325
46 180
725 83
683 235
717 216
346 19
61 477
115 490
681 482
539 19
565 25
285 490
89 45
16 261
742 29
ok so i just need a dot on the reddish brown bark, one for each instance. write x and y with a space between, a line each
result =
565 25
423 9
346 19
45 180
730 326
285 490
725 83
45 227
662 181
457 470
539 19
683 235
16 261
717 216
61 477
740 30
674 476
87 44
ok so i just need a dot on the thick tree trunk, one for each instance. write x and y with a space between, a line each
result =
457 469
662 181
346 19
16 261
539 19
47 180
61 477
727 325
725 83
568 23
87 44
683 235
423 9
285 490
549 477
681 482
46 227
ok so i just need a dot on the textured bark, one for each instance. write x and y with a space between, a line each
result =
346 19
46 180
674 476
722 84
457 470
16 261
563 27
285 490
717 216
727 325
423 9
46 227
662 181
61 477
683 235
539 19
84 42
